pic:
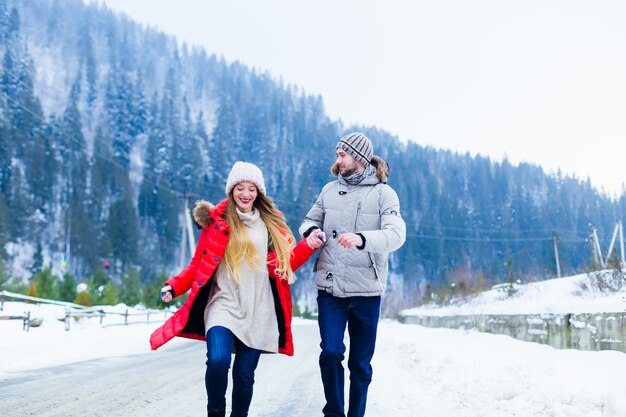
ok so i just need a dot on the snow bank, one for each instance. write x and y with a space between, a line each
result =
563 295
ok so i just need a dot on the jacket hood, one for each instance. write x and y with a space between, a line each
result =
205 213
382 168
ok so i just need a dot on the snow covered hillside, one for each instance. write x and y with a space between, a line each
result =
575 294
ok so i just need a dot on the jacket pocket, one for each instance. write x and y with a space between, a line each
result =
373 265
324 279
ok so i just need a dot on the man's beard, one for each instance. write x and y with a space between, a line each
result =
348 172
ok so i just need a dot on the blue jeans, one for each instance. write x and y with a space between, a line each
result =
361 315
220 342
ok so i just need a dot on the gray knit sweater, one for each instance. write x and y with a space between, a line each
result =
246 308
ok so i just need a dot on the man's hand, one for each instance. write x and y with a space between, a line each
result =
349 240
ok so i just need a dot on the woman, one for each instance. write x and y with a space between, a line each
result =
239 279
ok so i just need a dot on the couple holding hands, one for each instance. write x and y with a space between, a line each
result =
239 277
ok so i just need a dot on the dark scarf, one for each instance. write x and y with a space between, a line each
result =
357 177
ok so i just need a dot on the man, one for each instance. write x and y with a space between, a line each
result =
358 218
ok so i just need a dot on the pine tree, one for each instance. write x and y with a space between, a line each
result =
67 288
131 292
96 285
84 298
5 150
122 229
110 294
151 292
102 186
88 61
3 226
32 289
45 284
4 276
37 263
4 21
79 226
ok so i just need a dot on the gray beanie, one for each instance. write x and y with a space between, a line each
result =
245 171
358 146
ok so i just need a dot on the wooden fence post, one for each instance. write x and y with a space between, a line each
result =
67 319
26 325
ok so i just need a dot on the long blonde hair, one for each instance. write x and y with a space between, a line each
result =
241 249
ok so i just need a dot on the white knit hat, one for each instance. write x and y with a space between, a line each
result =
245 171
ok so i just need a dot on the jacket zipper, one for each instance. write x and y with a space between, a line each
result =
356 217
369 255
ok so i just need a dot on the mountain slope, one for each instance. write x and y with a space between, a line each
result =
105 125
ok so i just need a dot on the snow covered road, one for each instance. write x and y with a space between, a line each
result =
139 385
153 384
418 372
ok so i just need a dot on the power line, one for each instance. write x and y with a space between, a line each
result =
473 239
481 230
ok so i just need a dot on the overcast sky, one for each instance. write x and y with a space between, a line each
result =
536 81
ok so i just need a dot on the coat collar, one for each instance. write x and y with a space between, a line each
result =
219 209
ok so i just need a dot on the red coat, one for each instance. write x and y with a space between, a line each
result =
188 321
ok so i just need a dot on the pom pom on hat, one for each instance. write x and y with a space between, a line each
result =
245 171
358 146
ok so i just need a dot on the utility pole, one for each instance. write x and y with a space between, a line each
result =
608 254
597 252
187 234
621 243
190 237
181 260
556 255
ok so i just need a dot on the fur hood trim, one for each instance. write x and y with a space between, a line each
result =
201 213
382 168
204 213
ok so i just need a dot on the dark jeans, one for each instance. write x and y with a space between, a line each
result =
361 315
220 342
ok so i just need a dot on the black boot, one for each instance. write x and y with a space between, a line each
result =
221 413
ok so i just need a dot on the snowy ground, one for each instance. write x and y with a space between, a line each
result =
563 295
417 371
50 345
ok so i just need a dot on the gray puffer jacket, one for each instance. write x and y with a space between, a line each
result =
370 208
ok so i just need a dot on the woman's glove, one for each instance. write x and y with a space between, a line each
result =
166 294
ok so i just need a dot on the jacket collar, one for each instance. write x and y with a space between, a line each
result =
219 209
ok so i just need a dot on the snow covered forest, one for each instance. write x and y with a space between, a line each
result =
105 125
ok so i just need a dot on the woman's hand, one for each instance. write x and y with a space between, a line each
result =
315 239
166 294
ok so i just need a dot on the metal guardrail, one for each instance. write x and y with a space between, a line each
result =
77 311
583 331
